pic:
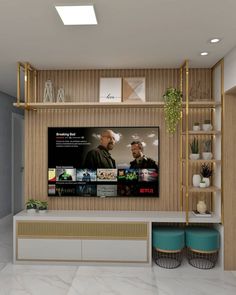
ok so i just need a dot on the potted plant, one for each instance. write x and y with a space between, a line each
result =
196 126
202 183
42 206
206 172
206 126
194 145
207 154
172 108
31 206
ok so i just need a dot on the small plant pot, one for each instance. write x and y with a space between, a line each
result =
196 128
202 184
207 155
207 181
194 156
42 211
206 127
31 211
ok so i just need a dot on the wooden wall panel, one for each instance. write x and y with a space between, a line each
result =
229 183
83 86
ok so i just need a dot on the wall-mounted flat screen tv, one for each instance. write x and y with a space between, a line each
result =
103 161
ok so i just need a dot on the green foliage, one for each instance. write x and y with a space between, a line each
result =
207 146
194 145
43 205
172 108
206 170
31 204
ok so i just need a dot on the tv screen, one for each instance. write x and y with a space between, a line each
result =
103 162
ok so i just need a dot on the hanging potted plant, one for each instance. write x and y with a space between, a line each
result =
172 108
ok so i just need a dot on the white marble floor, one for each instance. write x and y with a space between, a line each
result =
94 280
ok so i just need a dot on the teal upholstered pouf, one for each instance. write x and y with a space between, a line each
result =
168 239
202 247
203 239
167 243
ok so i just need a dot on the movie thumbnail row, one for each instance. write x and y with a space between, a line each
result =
87 175
103 190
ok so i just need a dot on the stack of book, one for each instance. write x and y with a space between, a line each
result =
206 214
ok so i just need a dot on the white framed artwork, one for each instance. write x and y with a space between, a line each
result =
110 90
134 89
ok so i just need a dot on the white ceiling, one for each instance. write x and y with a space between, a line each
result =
129 34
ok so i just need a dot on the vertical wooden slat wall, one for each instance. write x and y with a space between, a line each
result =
83 86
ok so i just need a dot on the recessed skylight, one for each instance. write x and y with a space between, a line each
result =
204 53
215 40
77 15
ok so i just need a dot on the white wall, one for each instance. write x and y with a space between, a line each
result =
230 70
6 109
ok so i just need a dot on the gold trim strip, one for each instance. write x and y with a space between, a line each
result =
203 252
168 251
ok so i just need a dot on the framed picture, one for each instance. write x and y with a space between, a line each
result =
134 89
110 90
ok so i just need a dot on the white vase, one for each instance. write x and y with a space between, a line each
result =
206 127
194 156
196 180
201 207
196 127
31 211
207 155
207 181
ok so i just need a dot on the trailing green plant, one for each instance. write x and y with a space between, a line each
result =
172 108
194 145
31 204
206 170
207 146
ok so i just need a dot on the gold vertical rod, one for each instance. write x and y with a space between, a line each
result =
26 83
186 138
35 85
18 84
181 145
222 139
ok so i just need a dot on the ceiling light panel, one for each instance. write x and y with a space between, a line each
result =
215 40
77 15
204 53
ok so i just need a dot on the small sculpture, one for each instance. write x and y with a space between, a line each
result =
48 92
60 95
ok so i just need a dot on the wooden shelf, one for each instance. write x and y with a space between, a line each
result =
68 105
80 105
203 104
210 189
202 161
212 132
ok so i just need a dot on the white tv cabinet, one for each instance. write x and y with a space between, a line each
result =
87 237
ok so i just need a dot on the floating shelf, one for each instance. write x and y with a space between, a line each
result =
69 105
213 132
202 161
210 189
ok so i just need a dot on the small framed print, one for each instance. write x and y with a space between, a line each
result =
134 89
110 90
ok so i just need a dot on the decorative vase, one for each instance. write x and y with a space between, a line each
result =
207 155
31 211
48 93
207 181
196 127
206 127
201 207
196 180
194 156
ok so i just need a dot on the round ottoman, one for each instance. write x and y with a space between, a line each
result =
168 243
202 246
